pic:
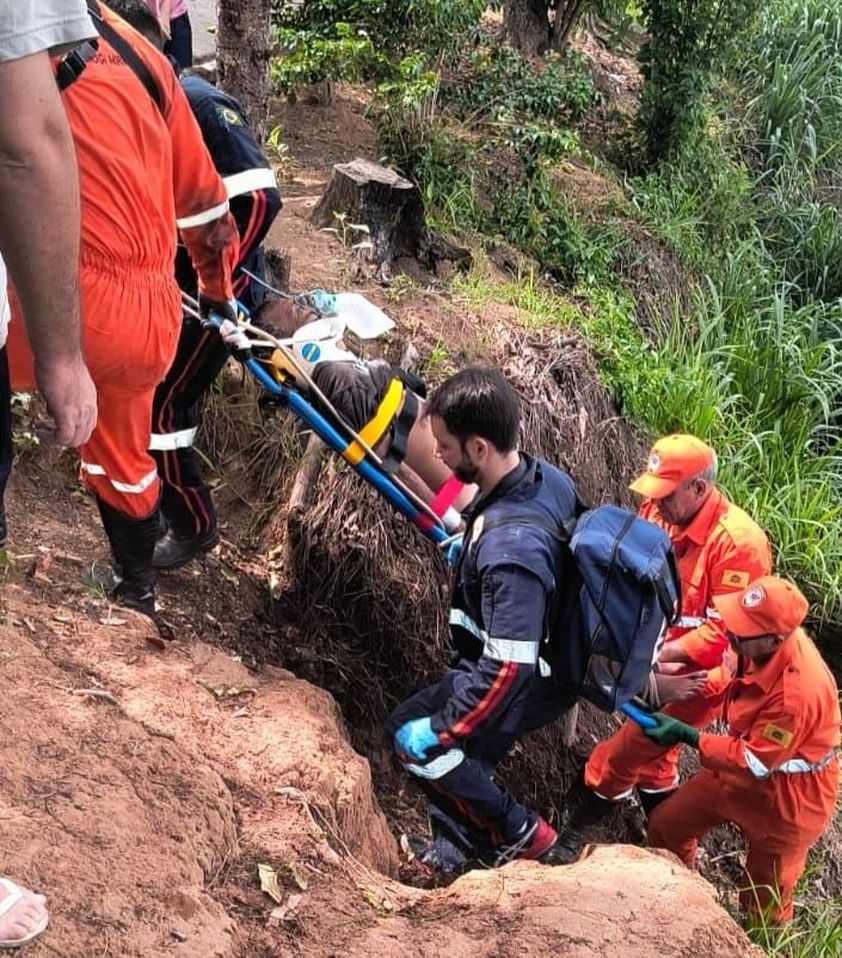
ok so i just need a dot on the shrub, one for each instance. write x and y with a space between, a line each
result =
497 80
689 41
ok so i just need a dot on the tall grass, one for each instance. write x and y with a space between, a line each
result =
815 933
761 380
793 74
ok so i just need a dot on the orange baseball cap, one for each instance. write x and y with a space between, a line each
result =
769 606
672 460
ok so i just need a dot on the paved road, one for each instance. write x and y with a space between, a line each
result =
203 19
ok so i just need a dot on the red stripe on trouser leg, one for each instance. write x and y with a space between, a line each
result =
131 321
629 759
472 815
191 498
501 685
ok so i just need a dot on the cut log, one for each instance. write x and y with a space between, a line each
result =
391 212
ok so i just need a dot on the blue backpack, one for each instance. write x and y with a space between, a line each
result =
619 588
629 591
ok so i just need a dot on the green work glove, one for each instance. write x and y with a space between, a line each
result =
670 731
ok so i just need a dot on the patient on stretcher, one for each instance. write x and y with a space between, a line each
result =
384 405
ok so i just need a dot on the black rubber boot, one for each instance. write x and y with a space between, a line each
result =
132 544
172 551
584 808
649 801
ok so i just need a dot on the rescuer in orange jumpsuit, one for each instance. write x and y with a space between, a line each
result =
775 774
719 550
144 170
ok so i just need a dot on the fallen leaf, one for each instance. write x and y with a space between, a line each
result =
377 901
285 912
222 691
269 882
112 620
297 877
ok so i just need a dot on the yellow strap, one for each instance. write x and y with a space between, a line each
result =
374 430
279 366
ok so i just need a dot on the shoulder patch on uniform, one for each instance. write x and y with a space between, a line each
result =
231 117
735 578
776 734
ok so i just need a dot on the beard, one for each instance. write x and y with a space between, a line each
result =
465 471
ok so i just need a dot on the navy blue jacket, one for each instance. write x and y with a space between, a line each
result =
505 581
252 192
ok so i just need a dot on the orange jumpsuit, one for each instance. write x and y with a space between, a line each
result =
775 774
142 172
721 550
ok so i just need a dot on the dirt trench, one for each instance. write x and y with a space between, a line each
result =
142 789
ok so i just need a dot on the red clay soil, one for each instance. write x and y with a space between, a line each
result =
141 789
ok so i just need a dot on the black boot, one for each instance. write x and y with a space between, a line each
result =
132 544
649 801
584 808
172 550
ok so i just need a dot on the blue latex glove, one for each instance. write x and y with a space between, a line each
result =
415 737
454 550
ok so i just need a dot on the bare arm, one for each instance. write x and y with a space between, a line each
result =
39 238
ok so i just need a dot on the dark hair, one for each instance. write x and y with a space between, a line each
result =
139 16
478 401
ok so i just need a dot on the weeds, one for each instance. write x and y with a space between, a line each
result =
815 933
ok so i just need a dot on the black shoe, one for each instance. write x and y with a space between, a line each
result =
173 551
135 596
584 808
426 866
132 543
649 801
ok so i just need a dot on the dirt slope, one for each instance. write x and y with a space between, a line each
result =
140 789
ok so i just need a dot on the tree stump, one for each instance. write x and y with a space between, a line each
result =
362 193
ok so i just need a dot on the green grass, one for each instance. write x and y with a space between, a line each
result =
816 932
761 381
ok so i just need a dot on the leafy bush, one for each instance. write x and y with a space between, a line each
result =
393 30
307 58
689 41
498 80
702 205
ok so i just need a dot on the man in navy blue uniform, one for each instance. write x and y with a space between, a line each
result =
452 734
186 500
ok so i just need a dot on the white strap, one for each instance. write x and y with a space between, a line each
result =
13 896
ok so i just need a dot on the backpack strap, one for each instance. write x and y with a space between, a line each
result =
560 532
73 65
130 56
